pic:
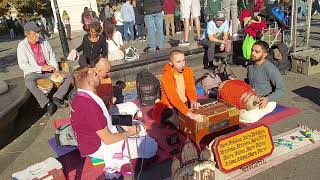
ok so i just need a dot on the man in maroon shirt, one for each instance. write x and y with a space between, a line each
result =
96 135
37 60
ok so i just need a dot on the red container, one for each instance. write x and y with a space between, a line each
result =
239 94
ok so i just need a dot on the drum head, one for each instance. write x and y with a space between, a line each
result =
44 84
57 78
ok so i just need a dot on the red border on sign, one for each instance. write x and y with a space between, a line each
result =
220 138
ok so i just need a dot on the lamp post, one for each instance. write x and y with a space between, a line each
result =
62 33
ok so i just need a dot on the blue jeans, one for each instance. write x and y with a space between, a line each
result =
128 26
140 30
154 22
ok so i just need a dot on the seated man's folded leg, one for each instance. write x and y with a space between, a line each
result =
62 90
31 85
170 116
255 115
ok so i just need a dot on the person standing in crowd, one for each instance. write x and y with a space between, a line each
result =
169 7
116 49
188 7
86 19
231 6
118 18
93 46
128 17
139 19
212 7
37 60
106 13
177 18
154 22
11 27
217 33
66 21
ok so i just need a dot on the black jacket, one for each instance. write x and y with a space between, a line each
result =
139 13
92 50
152 6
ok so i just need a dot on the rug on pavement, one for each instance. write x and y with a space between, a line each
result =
280 113
60 150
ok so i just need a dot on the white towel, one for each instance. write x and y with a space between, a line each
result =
255 115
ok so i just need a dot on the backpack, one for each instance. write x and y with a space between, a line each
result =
281 17
148 87
278 55
210 83
65 136
247 46
131 53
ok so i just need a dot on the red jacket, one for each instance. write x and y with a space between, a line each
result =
169 6
169 94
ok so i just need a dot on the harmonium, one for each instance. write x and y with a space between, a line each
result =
217 115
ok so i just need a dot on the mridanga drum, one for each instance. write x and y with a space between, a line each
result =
57 79
45 85
239 94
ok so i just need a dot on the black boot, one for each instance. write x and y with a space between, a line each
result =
58 102
51 109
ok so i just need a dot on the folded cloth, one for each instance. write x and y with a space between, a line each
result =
255 115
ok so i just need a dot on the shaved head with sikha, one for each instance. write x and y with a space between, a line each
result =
102 67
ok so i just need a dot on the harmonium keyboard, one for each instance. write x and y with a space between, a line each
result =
217 115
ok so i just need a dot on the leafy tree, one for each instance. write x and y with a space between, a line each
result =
32 6
4 7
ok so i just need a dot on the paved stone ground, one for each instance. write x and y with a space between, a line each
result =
32 147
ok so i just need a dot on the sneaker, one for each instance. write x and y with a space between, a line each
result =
51 109
157 48
148 49
184 43
58 102
144 39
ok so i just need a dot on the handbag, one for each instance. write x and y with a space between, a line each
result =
247 46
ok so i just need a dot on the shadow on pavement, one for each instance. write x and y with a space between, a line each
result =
7 61
309 92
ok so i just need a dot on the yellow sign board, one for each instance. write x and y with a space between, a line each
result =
243 147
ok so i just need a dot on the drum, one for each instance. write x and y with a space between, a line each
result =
57 79
238 93
45 85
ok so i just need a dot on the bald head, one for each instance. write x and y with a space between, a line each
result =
102 67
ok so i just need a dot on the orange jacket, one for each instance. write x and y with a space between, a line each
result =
169 94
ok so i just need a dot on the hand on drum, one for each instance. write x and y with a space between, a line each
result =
58 72
47 68
263 102
195 105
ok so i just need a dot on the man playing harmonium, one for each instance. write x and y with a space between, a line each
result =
37 60
178 90
96 135
266 80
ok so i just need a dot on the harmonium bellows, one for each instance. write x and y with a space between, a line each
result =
217 116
